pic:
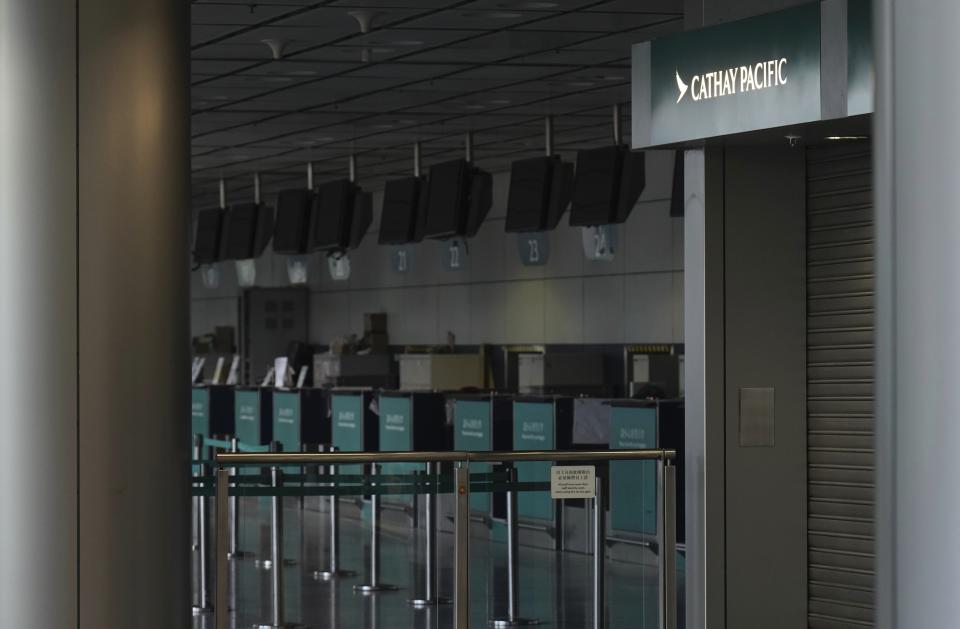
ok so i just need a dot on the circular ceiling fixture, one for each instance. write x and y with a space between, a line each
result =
492 15
529 5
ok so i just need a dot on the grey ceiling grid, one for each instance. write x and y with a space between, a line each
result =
435 69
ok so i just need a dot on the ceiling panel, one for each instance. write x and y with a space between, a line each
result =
429 71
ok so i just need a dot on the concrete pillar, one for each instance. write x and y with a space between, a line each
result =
94 159
918 314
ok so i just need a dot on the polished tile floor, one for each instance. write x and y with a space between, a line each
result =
555 588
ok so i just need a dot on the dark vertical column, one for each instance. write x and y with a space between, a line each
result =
133 312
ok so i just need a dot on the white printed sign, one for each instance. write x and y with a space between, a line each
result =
573 481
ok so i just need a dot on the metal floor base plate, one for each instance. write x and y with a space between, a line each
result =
516 622
199 611
327 575
432 602
374 588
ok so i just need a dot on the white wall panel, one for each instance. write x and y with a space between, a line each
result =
496 299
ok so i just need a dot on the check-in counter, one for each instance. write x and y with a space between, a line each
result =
253 411
639 424
483 423
300 419
211 410
354 425
411 422
540 423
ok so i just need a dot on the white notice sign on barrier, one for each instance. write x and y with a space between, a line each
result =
572 481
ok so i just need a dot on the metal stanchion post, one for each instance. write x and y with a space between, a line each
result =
333 570
374 585
431 594
235 552
513 560
222 619
667 531
267 564
599 556
202 605
276 555
461 553
195 533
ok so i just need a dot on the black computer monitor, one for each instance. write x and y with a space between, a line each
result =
399 216
596 190
292 226
330 229
361 218
206 242
561 192
529 198
239 231
448 195
633 179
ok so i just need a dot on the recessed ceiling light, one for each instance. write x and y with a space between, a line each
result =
528 4
493 15
841 138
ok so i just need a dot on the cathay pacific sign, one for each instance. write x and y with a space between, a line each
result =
757 73
748 78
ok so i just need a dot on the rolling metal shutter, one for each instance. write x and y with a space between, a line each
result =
840 481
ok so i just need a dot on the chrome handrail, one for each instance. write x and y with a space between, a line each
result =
666 512
328 458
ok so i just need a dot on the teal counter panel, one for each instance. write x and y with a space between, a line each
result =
348 425
247 410
287 421
199 412
473 432
534 428
396 435
633 484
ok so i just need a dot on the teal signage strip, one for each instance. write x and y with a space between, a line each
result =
396 435
860 66
533 429
633 484
199 413
247 416
473 432
757 73
286 420
347 429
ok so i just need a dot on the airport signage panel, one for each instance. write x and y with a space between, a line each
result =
247 414
534 429
756 73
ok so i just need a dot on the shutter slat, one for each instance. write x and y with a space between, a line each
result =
840 386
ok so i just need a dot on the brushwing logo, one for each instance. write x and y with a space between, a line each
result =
681 86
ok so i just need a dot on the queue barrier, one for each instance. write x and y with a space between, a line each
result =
227 483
